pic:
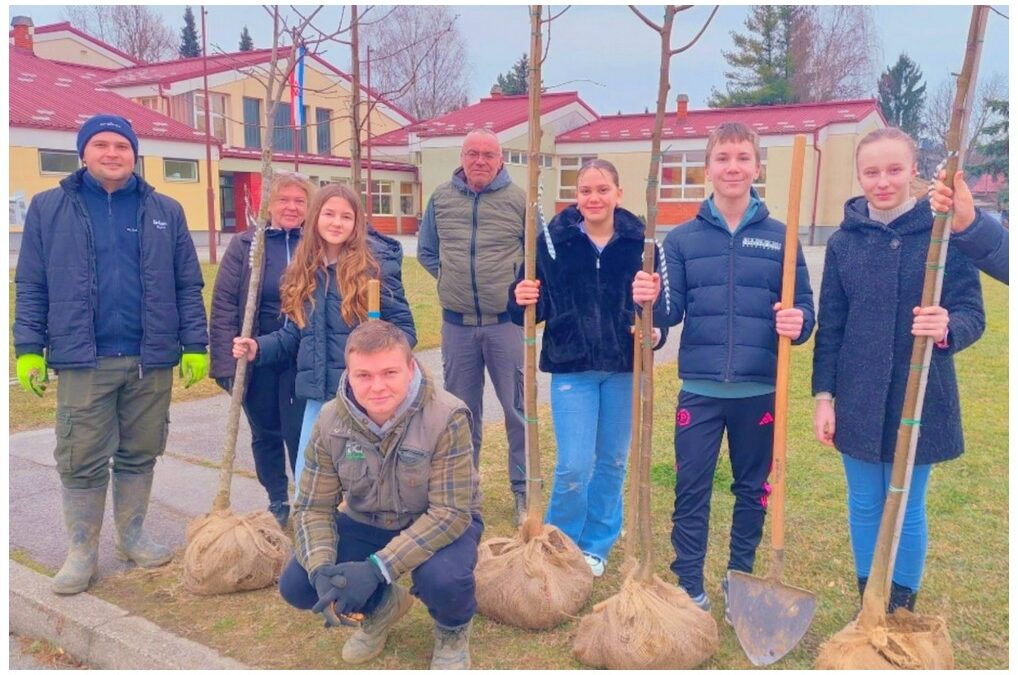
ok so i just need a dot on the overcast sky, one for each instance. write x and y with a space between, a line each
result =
611 57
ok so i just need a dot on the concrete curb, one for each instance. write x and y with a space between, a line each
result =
100 634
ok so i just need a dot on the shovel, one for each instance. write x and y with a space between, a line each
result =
771 617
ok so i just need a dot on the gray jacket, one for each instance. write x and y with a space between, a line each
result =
473 243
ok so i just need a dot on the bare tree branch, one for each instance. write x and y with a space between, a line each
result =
692 42
643 18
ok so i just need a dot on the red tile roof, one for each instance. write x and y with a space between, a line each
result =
496 113
765 120
176 70
66 26
305 158
49 95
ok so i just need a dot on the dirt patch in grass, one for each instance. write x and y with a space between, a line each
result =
48 655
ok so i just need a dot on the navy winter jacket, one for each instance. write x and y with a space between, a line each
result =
985 243
873 278
229 296
320 346
57 288
723 285
586 298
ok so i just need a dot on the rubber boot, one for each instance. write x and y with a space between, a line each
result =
452 647
901 596
130 503
369 640
83 517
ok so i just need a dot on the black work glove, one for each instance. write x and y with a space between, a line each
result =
225 383
353 583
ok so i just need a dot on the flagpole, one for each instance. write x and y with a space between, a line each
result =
210 198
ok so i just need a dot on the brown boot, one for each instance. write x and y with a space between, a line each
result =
452 647
369 640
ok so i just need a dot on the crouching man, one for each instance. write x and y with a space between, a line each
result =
394 453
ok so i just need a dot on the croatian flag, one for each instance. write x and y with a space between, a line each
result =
297 91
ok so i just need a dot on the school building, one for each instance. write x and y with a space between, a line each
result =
60 76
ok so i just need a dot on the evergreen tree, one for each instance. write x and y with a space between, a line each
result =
189 37
994 149
901 94
763 61
246 43
515 81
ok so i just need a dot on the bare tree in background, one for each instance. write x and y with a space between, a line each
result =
418 60
937 117
833 50
137 30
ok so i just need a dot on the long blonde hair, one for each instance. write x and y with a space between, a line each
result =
354 267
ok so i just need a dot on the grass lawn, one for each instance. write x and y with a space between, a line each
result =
29 412
966 573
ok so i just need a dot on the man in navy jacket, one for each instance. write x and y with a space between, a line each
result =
108 293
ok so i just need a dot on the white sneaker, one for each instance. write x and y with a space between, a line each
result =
596 564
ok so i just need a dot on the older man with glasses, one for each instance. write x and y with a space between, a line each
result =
471 240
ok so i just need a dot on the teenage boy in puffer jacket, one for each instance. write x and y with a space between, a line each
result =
724 281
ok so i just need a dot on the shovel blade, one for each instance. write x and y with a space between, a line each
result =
769 617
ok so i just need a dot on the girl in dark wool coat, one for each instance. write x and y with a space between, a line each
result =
586 261
873 278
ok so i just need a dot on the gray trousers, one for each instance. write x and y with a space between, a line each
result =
109 412
466 351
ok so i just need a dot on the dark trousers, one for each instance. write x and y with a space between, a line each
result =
444 582
699 423
274 413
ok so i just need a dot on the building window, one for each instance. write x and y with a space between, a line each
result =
252 123
381 198
683 176
282 130
407 201
218 104
58 161
760 184
521 158
180 170
150 102
323 129
568 171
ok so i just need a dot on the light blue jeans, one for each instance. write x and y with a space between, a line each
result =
592 413
867 490
312 409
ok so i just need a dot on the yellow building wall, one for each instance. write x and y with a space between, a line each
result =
25 176
320 92
71 51
437 165
192 196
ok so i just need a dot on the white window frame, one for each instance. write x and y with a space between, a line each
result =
199 112
683 162
62 153
382 191
411 195
567 193
169 179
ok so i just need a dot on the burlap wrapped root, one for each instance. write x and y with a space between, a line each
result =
536 584
646 625
227 552
907 642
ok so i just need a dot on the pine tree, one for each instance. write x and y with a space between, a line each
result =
901 94
515 81
246 43
189 37
763 61
994 149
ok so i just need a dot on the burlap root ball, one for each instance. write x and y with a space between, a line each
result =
536 584
227 552
652 625
908 642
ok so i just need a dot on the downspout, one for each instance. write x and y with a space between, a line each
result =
816 186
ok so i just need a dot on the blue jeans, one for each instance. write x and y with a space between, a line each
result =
312 409
592 414
867 490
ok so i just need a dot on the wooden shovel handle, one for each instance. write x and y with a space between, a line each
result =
777 498
374 300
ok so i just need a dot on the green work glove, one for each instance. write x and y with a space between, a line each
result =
32 373
193 368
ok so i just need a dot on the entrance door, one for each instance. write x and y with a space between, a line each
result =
226 205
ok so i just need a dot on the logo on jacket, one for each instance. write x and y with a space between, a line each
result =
757 242
160 224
